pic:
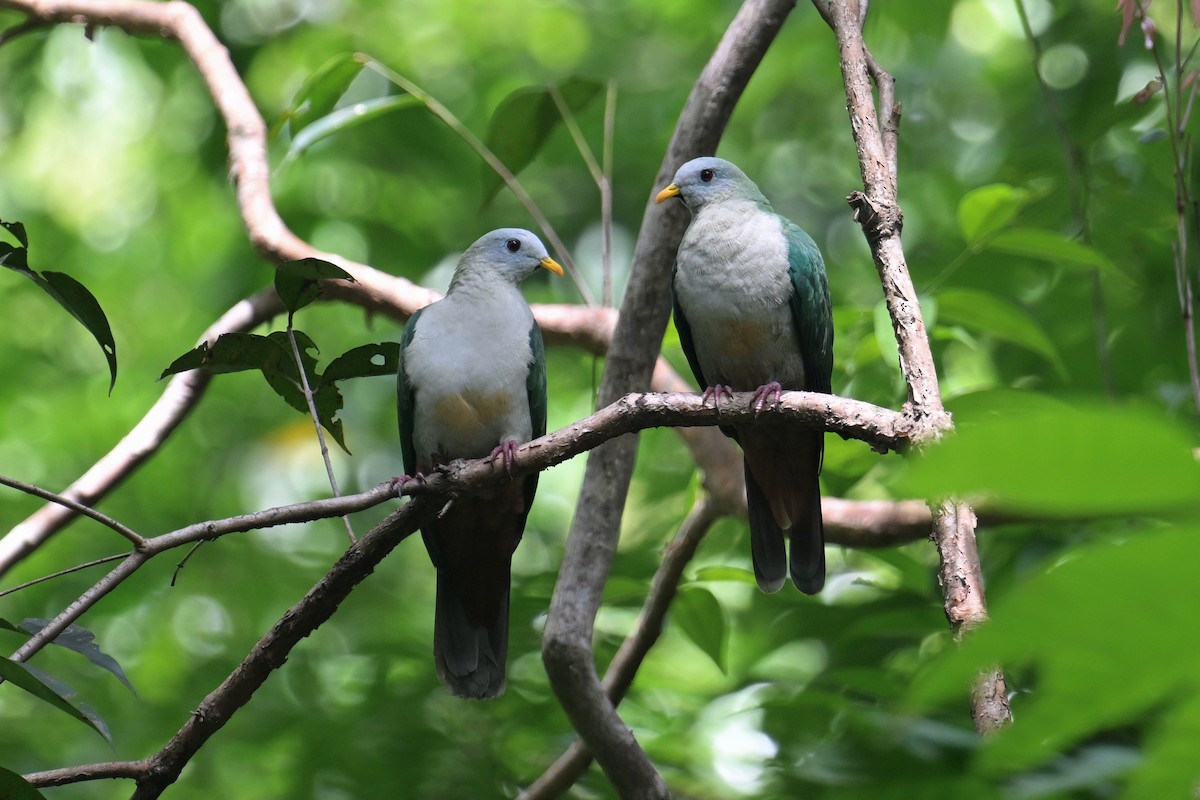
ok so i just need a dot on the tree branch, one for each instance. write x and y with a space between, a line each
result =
591 543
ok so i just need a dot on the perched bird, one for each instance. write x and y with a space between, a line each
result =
752 308
472 384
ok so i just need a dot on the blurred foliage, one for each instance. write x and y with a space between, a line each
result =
114 159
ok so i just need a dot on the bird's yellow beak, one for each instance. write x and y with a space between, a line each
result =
667 193
552 265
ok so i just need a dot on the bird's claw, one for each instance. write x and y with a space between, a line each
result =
762 396
508 450
714 393
400 481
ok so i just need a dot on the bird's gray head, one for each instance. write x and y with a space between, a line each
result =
710 180
511 253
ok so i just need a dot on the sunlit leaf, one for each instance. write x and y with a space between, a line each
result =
296 282
988 209
1055 248
726 573
321 91
987 313
24 677
344 119
1081 460
1087 677
524 120
366 361
14 787
701 619
82 641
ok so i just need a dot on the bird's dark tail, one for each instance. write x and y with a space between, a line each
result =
470 657
766 538
807 564
783 493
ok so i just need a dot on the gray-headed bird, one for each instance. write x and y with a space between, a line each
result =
752 308
472 384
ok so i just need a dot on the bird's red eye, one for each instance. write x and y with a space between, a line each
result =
706 175
513 245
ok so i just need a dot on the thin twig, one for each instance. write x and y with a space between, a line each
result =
77 568
316 418
74 505
455 124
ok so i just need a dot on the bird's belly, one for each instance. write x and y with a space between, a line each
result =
471 422
746 353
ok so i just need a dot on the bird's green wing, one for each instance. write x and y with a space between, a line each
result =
405 400
685 333
535 391
535 382
812 313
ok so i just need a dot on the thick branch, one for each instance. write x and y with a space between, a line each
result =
625 664
567 647
876 210
272 649
962 586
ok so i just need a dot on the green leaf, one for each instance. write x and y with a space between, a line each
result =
83 306
67 292
988 209
17 229
1060 460
82 641
365 361
524 120
1055 248
14 787
1098 660
326 397
987 313
237 352
25 678
344 119
296 282
724 573
321 91
701 619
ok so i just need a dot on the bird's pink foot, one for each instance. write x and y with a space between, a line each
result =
714 393
400 481
762 396
507 449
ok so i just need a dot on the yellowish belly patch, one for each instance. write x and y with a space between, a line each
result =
472 408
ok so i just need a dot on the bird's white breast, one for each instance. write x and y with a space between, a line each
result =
467 364
733 284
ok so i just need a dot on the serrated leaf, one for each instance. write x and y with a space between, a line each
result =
365 361
524 120
344 119
237 352
986 313
1060 460
1054 248
26 678
988 209
701 619
14 787
731 574
82 641
321 91
296 282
